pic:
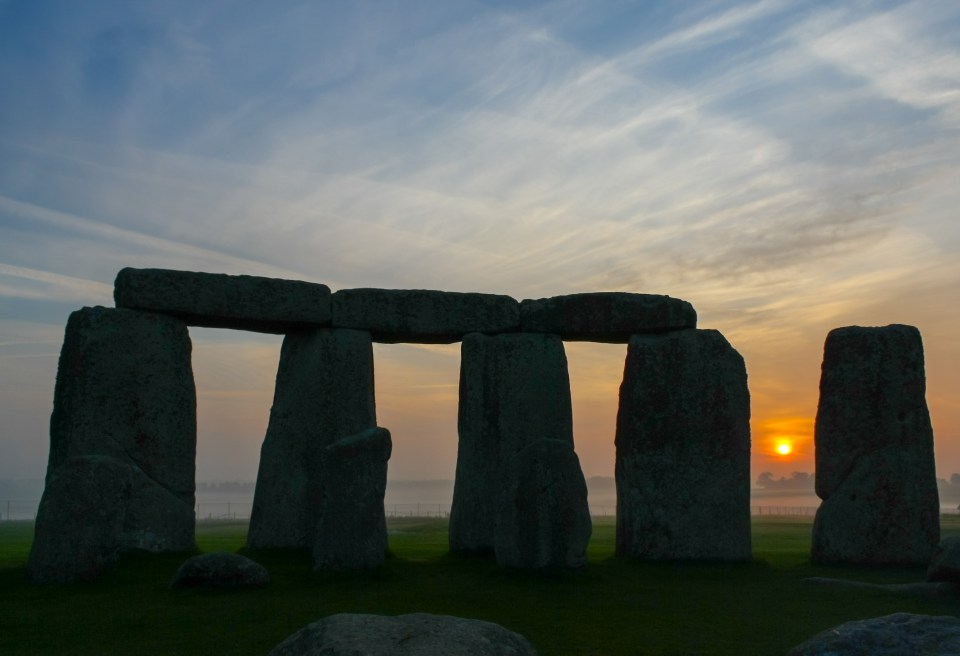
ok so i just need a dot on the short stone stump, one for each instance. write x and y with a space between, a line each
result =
222 571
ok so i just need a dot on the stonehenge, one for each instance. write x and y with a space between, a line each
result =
120 475
875 469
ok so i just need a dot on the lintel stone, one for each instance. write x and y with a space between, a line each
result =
218 300
420 316
609 317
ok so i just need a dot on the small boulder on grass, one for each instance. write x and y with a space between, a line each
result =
220 570
893 635
417 634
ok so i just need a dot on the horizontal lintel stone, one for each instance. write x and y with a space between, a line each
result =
610 317
421 316
217 300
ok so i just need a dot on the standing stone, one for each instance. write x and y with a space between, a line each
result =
544 520
324 392
683 449
352 527
874 450
122 433
514 389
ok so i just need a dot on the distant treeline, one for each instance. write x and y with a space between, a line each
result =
800 482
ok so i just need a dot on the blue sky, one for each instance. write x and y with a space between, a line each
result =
788 167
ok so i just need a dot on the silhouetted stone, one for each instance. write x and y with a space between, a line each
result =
893 635
514 389
874 450
611 317
352 528
217 300
544 520
423 316
683 449
125 396
220 570
324 392
945 564
418 634
79 525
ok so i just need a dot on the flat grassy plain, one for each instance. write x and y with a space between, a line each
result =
614 606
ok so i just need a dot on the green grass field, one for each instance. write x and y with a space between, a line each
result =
612 607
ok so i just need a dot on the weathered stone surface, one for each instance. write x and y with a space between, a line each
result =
893 635
220 570
217 300
324 392
874 450
611 317
124 396
683 449
423 316
79 525
418 634
352 528
945 564
514 389
544 520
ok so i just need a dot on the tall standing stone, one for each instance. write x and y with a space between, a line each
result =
122 458
351 529
874 450
683 449
544 520
514 389
324 392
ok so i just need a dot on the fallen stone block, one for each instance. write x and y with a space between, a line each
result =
611 317
423 316
418 634
220 571
892 635
217 300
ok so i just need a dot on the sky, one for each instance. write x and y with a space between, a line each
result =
788 167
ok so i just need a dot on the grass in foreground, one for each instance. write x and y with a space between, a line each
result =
612 607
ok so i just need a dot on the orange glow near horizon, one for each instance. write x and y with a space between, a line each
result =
785 439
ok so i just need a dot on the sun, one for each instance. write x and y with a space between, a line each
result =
784 448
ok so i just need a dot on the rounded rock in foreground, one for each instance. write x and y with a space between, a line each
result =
220 570
892 635
418 634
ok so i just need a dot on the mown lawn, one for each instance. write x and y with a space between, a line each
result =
612 607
